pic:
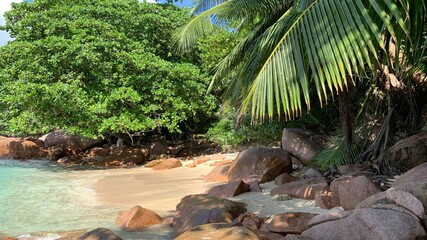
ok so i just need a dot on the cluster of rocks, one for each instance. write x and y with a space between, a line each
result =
360 208
68 149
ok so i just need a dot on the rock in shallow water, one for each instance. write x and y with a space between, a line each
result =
137 219
100 234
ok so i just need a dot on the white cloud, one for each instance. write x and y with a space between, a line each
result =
5 6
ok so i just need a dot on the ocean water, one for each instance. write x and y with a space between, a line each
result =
41 197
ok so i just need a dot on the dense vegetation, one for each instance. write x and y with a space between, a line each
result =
372 54
95 68
113 68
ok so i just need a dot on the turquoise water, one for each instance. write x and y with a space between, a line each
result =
41 197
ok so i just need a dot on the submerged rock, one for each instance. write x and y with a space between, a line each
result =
100 234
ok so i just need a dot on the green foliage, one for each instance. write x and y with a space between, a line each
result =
334 155
229 134
294 47
97 66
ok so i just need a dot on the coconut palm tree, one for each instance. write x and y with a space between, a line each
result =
291 48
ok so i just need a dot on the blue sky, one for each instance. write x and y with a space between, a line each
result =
5 6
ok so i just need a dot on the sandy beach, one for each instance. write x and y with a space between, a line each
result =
161 191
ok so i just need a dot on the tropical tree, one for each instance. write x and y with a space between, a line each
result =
298 50
95 67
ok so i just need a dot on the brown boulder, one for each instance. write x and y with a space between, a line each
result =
263 164
137 218
326 200
75 143
353 190
250 221
409 152
218 174
217 231
122 156
368 223
229 189
284 178
18 148
195 210
304 188
293 222
167 164
302 144
416 174
100 234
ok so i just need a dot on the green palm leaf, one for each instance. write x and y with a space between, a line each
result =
300 45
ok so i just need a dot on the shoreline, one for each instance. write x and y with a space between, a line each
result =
159 191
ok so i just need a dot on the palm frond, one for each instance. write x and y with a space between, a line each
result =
329 39
334 155
224 14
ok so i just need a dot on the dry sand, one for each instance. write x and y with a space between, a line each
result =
161 191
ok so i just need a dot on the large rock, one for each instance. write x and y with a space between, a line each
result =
263 164
229 189
397 197
409 152
195 210
284 178
75 143
217 231
416 174
19 148
167 164
100 234
417 189
302 144
367 223
122 156
304 188
353 190
218 174
292 222
137 218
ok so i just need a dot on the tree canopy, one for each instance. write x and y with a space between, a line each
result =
92 67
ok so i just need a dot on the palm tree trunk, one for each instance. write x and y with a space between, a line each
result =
346 122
